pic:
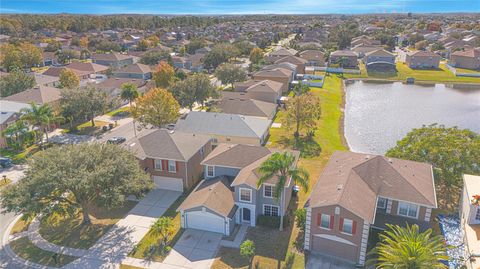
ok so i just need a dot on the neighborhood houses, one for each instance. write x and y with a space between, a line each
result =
240 141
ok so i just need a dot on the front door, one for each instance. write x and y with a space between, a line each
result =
246 214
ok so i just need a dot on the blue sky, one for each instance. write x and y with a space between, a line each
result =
236 6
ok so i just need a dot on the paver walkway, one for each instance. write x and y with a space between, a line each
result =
238 238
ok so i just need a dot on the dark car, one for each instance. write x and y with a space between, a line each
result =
116 140
5 162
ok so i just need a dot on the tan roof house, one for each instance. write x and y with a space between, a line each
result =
280 53
313 57
39 95
297 61
229 194
171 158
247 107
262 90
281 75
359 192
423 59
344 58
469 59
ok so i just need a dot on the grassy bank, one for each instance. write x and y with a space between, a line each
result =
277 249
403 72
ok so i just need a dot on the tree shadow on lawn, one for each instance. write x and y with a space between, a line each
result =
308 147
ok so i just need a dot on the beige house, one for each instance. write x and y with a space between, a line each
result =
297 61
469 59
344 58
313 57
262 90
359 192
470 219
422 59
281 75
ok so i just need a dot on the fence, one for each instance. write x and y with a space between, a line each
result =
454 71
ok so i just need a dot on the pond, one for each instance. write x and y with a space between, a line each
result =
378 114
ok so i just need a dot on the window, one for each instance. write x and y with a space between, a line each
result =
347 226
214 141
477 215
325 221
210 171
270 210
158 165
268 191
245 195
172 166
202 151
407 210
382 203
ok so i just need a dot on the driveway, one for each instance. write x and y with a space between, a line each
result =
318 261
194 250
115 245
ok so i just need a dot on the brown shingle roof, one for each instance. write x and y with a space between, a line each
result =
276 72
137 68
88 67
291 59
422 53
110 57
247 107
354 180
468 53
235 155
213 194
39 95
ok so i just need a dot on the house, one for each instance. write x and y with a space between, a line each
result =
247 107
313 57
470 218
344 58
9 114
56 71
364 40
469 59
297 61
422 59
39 95
113 86
281 75
136 71
359 192
226 128
50 81
114 59
262 90
229 194
280 53
380 60
171 158
361 50
91 68
49 58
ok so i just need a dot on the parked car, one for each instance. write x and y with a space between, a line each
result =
116 140
5 162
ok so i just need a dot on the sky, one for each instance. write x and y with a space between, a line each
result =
211 7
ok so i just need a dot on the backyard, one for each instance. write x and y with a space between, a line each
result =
315 154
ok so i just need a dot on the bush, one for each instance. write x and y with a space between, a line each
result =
272 222
301 218
247 249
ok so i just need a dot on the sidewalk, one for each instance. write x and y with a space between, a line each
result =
238 238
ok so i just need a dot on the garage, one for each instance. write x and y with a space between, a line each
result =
334 246
168 183
206 221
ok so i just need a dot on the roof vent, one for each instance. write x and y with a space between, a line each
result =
339 187
367 157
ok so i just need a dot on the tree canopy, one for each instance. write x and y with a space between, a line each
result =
154 57
129 92
68 79
230 73
75 177
163 75
157 107
219 54
256 55
24 55
302 112
16 81
452 152
195 88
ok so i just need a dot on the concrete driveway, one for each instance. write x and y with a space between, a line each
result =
318 261
194 250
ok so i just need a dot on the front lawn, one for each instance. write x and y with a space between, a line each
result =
70 232
20 156
151 242
24 248
275 248
403 72
86 128
124 111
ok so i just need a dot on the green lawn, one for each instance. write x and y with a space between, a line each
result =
20 156
86 128
142 249
403 72
121 112
274 248
20 226
70 232
24 248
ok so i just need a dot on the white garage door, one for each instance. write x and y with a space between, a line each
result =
168 183
205 221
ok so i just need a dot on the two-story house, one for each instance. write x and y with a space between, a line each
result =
470 219
359 192
171 158
380 59
138 71
229 194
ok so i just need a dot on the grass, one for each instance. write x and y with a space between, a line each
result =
467 71
24 248
284 249
86 128
124 266
4 182
403 72
20 156
20 226
142 249
70 232
121 112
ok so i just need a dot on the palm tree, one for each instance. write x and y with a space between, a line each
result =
408 248
282 166
16 133
40 116
163 228
129 92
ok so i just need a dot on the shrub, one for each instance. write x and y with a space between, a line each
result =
272 222
301 218
247 249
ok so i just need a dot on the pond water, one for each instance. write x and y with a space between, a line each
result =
378 114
